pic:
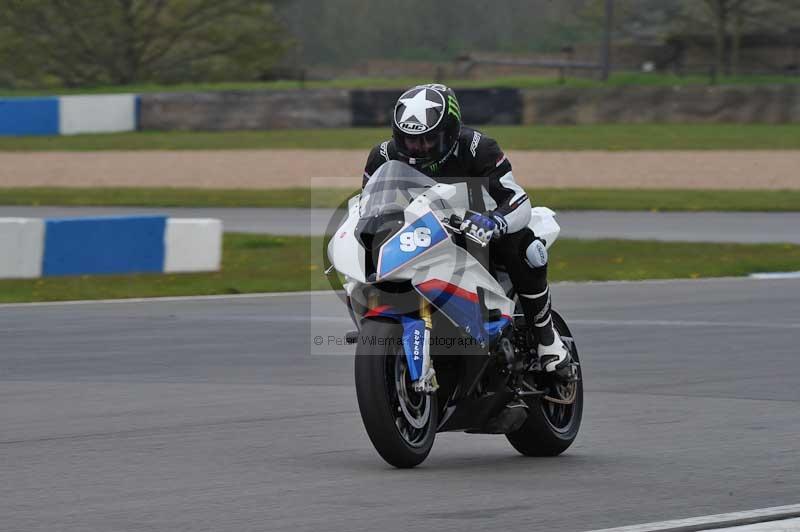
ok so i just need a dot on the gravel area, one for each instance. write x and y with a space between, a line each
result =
287 168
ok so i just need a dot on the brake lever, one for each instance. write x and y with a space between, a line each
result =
456 230
477 240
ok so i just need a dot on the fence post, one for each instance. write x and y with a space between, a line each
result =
712 75
606 59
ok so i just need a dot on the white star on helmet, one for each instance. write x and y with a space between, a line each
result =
417 107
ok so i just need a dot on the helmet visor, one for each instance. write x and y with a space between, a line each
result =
424 146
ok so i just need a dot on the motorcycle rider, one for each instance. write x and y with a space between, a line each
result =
428 135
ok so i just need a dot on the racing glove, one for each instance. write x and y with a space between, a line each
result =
502 225
484 226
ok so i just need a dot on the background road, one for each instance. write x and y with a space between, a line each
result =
680 226
220 414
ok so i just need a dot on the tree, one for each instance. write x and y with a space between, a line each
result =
722 12
761 16
731 19
89 42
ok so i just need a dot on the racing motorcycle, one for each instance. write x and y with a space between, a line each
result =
441 340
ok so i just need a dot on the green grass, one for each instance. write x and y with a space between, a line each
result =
264 263
251 263
174 197
519 82
558 199
618 260
613 137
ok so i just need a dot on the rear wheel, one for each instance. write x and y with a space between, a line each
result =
400 422
554 419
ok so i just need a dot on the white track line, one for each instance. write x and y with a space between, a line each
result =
784 525
714 522
775 275
681 323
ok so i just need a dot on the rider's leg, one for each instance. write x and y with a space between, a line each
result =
525 259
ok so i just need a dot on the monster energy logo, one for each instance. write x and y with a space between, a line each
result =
453 107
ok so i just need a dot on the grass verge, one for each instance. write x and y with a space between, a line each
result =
265 263
558 199
608 137
622 79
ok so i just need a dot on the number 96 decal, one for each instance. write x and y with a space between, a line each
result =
418 238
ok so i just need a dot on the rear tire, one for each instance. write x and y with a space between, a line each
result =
400 422
550 429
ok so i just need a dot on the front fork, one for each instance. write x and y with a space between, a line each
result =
427 382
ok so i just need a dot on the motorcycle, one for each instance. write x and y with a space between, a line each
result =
441 341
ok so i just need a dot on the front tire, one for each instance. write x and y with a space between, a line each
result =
400 422
550 427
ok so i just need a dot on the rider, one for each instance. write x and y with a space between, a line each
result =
428 135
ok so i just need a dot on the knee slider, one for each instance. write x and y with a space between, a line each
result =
536 254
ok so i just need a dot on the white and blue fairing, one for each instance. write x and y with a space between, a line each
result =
422 251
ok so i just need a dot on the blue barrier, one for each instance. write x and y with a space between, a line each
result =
123 244
29 116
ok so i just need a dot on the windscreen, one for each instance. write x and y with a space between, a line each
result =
395 185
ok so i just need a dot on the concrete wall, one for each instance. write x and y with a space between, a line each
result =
478 106
365 108
32 247
243 110
292 109
694 104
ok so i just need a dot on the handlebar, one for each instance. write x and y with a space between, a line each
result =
454 224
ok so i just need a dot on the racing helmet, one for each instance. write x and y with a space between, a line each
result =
425 125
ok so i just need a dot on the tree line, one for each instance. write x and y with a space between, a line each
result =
723 23
351 30
78 43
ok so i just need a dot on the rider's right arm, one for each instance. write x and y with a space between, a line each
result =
377 156
512 201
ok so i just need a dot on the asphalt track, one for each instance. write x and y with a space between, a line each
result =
679 226
221 414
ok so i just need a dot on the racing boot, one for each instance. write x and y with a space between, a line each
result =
553 354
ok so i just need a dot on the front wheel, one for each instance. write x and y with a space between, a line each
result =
553 421
400 422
